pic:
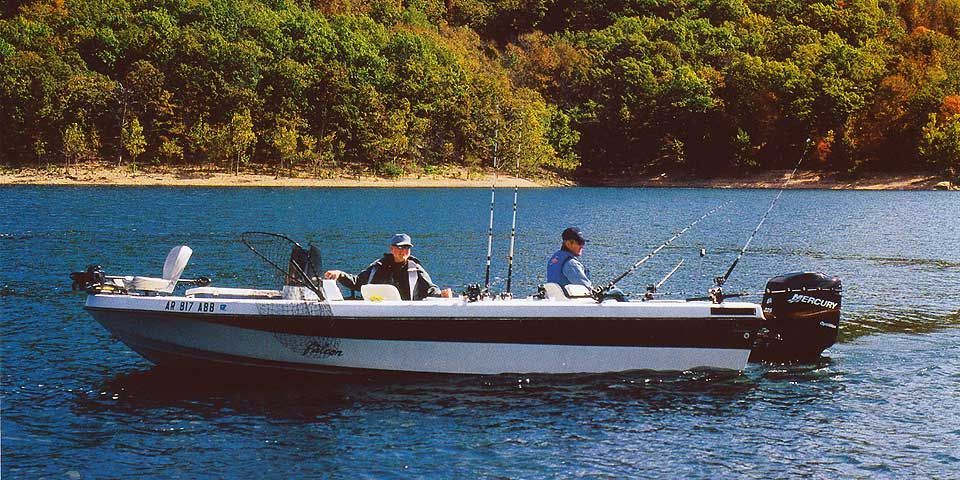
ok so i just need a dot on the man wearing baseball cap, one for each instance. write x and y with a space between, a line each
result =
397 268
564 267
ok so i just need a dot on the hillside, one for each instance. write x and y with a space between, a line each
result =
592 91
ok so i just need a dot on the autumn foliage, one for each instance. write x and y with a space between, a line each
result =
578 88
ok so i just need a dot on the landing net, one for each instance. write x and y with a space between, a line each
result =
294 266
291 263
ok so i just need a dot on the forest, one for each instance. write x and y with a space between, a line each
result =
584 89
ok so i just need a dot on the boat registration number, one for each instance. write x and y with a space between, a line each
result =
193 306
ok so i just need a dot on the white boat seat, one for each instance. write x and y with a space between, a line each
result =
172 269
571 292
331 291
223 292
378 293
554 291
577 290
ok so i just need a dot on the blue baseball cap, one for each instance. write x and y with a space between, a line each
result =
401 240
574 233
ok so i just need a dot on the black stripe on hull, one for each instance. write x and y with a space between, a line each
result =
715 332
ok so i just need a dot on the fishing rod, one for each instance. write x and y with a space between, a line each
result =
599 291
716 293
493 194
513 224
652 289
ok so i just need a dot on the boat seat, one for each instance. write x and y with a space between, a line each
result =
222 292
378 293
172 269
331 291
554 291
577 291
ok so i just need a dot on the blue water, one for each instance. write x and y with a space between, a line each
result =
882 403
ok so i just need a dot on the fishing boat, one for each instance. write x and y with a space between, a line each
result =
307 325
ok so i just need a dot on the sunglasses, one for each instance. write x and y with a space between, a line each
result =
403 247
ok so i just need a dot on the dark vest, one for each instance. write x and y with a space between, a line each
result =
555 267
405 277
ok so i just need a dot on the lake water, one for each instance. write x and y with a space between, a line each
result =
882 403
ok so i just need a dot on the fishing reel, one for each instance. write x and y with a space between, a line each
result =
716 293
474 292
598 293
541 292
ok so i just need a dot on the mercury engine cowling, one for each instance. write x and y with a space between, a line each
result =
802 312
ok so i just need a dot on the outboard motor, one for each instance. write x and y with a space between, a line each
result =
802 312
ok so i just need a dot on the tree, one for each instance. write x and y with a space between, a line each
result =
75 145
133 141
940 146
170 150
241 136
284 140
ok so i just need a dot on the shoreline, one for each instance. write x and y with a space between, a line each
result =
802 180
199 177
98 175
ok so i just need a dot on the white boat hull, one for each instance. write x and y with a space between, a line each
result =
458 337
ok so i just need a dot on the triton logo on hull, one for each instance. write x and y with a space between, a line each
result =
797 298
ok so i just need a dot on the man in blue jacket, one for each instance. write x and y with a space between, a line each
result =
564 267
397 268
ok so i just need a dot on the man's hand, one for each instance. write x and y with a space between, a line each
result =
332 274
446 293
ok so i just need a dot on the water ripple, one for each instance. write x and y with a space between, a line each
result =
77 403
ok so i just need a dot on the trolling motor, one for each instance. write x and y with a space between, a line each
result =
88 278
802 312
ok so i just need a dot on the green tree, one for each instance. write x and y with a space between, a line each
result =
241 137
170 150
132 140
284 140
940 146
75 146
